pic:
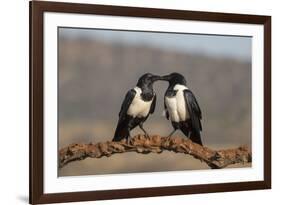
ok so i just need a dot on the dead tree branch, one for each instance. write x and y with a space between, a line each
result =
156 144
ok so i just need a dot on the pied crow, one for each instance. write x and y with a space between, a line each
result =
182 108
138 104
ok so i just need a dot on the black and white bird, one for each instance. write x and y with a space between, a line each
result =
138 104
182 108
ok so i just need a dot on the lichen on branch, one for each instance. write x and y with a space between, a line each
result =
215 159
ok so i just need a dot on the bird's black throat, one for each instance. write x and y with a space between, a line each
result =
147 92
170 92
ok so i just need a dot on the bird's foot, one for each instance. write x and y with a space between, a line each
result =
128 141
169 138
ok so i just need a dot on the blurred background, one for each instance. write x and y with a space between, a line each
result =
98 67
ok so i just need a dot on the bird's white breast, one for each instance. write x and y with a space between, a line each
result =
138 107
176 105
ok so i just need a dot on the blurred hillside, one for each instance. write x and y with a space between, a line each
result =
94 77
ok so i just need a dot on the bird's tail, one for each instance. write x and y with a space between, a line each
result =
195 136
120 133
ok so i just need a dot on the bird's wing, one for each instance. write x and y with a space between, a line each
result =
153 105
166 110
126 103
198 110
194 110
121 131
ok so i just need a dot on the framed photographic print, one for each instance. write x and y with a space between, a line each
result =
135 102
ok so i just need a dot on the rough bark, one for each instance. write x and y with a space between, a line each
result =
215 159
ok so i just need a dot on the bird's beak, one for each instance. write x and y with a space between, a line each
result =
165 77
156 77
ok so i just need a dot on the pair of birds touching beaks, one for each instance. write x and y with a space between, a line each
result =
181 107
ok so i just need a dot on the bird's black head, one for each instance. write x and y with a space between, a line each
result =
147 80
174 78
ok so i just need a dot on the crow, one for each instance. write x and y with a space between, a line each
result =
182 108
138 104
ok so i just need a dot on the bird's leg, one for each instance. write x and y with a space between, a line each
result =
170 135
189 135
145 133
128 138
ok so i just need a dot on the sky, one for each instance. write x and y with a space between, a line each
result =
237 47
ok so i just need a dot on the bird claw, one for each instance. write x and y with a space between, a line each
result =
168 138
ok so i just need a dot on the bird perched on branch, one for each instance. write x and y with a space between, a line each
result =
138 104
182 108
